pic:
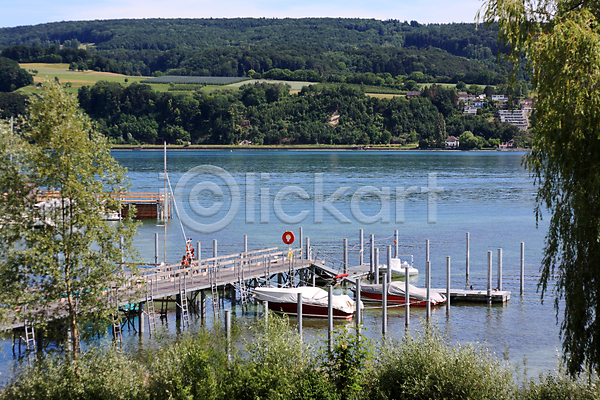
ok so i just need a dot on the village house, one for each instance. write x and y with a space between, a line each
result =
412 93
451 143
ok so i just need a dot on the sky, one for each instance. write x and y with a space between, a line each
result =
33 12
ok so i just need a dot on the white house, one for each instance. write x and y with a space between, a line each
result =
451 142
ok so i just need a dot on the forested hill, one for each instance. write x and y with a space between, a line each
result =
233 47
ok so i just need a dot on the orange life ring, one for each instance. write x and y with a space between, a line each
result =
288 237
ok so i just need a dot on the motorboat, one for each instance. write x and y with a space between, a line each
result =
400 268
397 295
314 302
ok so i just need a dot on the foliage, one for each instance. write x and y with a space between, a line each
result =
423 366
561 40
12 77
59 258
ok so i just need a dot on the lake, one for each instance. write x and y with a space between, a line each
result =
435 195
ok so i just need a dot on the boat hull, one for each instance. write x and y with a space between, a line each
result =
392 299
308 310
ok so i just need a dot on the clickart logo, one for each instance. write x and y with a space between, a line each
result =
208 198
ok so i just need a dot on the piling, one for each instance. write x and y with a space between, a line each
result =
376 265
198 250
428 289
407 300
357 313
266 312
499 269
202 305
389 260
155 248
141 319
396 243
489 277
300 239
384 305
361 243
426 250
228 333
330 317
299 315
214 247
468 256
345 255
522 268
447 284
307 248
372 255
245 243
178 307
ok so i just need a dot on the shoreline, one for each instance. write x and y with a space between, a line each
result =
292 148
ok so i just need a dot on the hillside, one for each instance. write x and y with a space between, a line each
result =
234 47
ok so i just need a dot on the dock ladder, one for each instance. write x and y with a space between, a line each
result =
185 315
214 289
117 337
150 312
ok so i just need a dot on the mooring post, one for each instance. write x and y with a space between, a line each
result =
389 260
178 306
376 265
499 269
372 256
361 243
307 248
214 247
245 243
384 304
330 317
396 242
314 276
198 250
266 312
428 289
468 256
522 268
141 318
203 305
406 300
300 239
447 284
357 313
156 248
489 277
299 315
345 255
228 333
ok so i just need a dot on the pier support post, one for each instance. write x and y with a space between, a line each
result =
307 248
499 269
178 307
428 289
265 305
345 255
489 277
198 250
468 256
299 315
300 241
396 243
314 276
448 284
228 333
245 243
357 312
384 304
155 248
389 264
376 265
406 301
372 255
203 305
361 243
214 247
141 319
330 317
522 268
233 297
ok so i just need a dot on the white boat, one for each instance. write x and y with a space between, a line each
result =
314 302
400 268
397 295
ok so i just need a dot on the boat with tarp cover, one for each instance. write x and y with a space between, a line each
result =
396 294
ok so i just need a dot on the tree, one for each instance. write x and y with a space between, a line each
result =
13 77
561 41
59 259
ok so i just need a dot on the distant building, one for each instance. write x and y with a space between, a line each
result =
517 118
451 142
245 143
499 97
470 110
412 93
508 145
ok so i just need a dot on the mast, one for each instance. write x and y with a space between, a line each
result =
165 202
